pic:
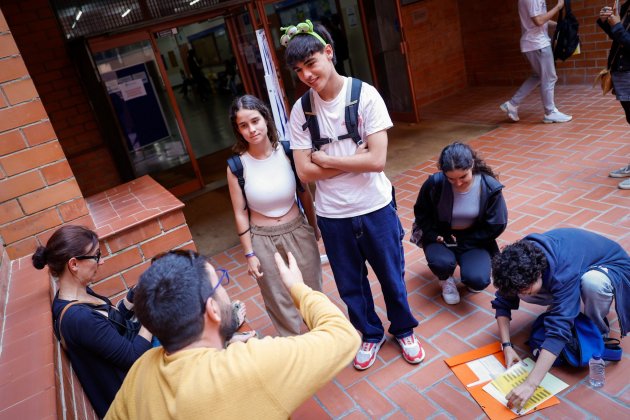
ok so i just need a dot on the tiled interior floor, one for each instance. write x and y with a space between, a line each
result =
555 175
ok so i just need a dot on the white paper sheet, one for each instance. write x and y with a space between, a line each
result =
486 369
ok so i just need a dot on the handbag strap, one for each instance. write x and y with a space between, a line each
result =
63 312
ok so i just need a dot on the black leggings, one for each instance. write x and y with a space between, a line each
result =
626 108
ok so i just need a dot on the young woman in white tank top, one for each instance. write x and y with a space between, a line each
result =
270 220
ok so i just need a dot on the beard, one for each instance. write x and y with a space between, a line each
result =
229 323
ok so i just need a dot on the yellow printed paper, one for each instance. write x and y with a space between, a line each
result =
515 376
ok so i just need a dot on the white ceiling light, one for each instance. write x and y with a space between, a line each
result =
194 2
79 13
126 13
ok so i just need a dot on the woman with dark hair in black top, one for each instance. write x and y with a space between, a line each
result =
460 211
100 339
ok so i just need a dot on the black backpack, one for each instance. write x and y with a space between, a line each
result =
566 39
236 166
351 118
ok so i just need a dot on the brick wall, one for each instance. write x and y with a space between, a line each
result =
128 254
37 34
491 33
5 272
37 189
435 49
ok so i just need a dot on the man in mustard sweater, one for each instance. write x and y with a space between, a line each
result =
181 300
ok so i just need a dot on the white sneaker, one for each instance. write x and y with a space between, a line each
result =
620 173
624 185
556 117
411 349
366 356
510 110
449 291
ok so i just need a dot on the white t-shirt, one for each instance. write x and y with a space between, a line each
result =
533 37
269 183
348 194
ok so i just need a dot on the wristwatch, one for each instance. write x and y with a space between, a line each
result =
506 344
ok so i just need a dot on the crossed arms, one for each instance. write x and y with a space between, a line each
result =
317 165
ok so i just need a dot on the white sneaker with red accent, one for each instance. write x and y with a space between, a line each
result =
366 356
412 350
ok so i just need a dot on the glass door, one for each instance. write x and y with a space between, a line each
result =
139 99
205 76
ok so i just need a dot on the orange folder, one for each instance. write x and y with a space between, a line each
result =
493 408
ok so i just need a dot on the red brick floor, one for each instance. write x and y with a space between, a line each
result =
555 175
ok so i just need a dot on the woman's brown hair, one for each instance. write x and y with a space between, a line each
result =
67 242
251 103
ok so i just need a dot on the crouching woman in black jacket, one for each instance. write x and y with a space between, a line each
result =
459 213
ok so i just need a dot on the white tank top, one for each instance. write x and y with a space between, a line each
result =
269 183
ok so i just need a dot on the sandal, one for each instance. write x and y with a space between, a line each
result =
612 350
242 337
239 311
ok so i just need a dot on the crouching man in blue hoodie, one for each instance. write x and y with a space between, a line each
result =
562 268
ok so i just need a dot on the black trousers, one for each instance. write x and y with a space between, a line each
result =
474 264
626 108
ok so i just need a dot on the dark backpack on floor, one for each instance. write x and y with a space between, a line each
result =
565 39
351 117
586 340
236 167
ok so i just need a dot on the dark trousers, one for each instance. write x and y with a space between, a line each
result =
474 264
376 238
626 108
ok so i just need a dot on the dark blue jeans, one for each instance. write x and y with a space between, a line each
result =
376 238
474 264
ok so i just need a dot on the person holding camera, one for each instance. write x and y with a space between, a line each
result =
101 340
616 24
459 213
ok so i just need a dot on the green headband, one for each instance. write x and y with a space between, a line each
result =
305 27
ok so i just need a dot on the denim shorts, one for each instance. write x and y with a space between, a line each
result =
621 83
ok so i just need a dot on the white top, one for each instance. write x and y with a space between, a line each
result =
348 194
533 37
466 205
269 183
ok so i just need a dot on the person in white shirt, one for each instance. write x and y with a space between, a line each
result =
356 210
536 46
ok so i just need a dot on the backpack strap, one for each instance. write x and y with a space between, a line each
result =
236 166
287 151
311 123
352 112
353 93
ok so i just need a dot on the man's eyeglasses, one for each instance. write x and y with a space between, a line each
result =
224 279
96 257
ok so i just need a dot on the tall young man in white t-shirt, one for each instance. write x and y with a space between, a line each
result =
536 46
355 209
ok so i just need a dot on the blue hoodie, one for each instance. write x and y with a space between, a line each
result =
571 253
